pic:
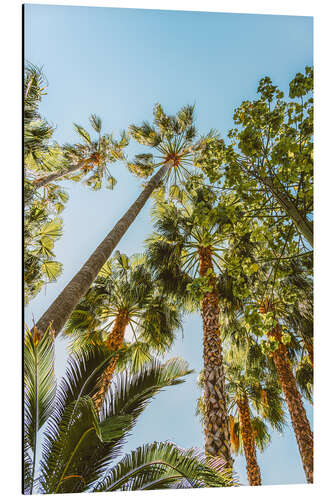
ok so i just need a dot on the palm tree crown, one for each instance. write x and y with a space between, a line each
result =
125 287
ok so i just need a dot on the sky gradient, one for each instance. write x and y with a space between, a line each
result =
118 63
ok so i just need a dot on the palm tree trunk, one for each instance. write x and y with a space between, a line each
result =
293 398
252 467
43 181
114 343
216 421
62 307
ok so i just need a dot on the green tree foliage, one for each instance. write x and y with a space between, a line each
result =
268 161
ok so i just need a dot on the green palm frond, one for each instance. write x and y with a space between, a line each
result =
79 444
130 393
163 465
39 395
37 131
135 356
96 123
261 435
81 437
27 467
146 134
73 421
304 378
171 138
39 382
83 133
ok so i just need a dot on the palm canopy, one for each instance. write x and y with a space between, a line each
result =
93 156
173 141
255 379
254 279
80 445
37 131
40 156
125 287
182 230
42 225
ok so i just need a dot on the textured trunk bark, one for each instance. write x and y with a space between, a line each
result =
44 181
62 307
216 421
304 225
293 398
252 467
114 343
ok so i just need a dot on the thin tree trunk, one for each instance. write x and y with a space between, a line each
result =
304 225
62 307
293 398
252 467
216 420
114 343
47 179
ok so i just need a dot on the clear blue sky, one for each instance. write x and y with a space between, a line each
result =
117 63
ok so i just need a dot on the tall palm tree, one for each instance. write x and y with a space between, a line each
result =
298 316
254 400
37 131
254 397
124 296
280 355
93 156
185 253
283 347
79 445
169 133
42 226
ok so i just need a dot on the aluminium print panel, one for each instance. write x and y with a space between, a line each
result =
168 236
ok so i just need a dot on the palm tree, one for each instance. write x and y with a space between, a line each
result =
124 296
254 399
93 156
298 316
185 252
252 389
80 445
283 346
171 132
280 355
42 225
37 131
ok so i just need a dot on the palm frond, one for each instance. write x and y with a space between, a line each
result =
83 133
96 123
40 386
163 465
